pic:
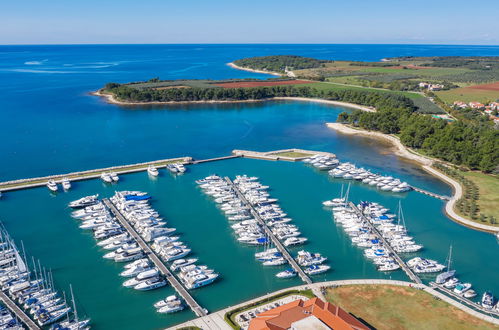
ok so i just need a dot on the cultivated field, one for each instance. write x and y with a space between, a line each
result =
262 83
468 94
394 307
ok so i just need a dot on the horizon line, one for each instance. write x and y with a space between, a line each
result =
248 43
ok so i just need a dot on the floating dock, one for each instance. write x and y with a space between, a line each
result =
415 278
463 300
174 282
18 312
271 235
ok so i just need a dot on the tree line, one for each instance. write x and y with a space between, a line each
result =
278 63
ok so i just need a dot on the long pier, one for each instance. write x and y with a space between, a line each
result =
271 235
18 312
174 282
429 193
415 278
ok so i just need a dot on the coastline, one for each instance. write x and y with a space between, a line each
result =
425 162
111 99
234 66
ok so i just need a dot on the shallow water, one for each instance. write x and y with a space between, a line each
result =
51 125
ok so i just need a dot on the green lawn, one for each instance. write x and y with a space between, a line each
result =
292 154
468 95
394 307
488 188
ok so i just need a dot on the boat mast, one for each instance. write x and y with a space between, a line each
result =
450 258
74 304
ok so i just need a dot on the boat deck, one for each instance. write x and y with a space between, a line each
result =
415 278
174 282
17 311
271 235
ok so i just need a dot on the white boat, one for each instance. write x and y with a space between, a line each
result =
137 269
114 176
150 284
106 177
487 301
200 280
66 184
170 304
275 262
451 283
316 269
52 185
152 170
295 241
462 288
145 275
181 263
288 273
387 267
469 294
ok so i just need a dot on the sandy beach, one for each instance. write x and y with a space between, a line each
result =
425 163
232 65
338 103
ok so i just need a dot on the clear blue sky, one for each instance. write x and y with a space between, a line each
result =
253 21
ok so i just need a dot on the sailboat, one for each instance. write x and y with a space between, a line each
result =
443 277
75 323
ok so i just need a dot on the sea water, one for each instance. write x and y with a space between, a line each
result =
51 125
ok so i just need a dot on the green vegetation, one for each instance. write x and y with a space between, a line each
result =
292 154
469 142
279 63
229 317
395 307
480 194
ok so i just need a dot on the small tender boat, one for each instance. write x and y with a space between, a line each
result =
114 176
470 294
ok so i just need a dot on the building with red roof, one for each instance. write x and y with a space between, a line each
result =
303 315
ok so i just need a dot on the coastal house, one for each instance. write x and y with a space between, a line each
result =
476 105
459 104
494 106
309 314
431 87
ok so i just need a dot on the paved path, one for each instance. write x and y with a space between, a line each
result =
17 311
271 235
212 321
196 308
449 206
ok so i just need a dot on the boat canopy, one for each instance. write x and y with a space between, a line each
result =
137 198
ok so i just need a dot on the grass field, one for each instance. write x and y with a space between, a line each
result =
395 307
488 188
466 94
292 154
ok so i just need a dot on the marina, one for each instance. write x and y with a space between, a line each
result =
71 131
19 313
304 277
196 308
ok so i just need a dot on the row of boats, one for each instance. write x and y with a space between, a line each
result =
349 171
112 177
33 291
53 187
252 231
153 230
8 320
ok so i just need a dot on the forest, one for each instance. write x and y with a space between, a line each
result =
279 63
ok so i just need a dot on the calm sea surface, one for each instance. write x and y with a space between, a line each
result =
51 125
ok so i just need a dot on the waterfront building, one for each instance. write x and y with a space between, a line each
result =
309 314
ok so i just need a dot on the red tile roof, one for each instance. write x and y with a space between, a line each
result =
281 318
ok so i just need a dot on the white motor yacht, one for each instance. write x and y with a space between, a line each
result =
152 170
288 273
150 284
106 177
170 304
66 184
316 269
52 185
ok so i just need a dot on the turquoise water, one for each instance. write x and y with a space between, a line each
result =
51 125
53 236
